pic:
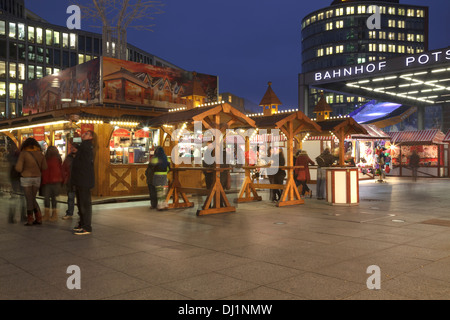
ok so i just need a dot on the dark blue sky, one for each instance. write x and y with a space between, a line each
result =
245 42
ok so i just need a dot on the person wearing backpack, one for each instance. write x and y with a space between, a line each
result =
325 159
30 164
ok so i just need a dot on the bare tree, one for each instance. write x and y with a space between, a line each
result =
116 16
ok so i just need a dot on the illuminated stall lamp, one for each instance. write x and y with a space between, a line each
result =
124 124
208 104
88 121
36 125
66 100
306 137
177 109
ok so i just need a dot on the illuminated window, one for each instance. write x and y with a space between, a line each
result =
401 11
21 30
12 90
339 12
409 49
339 24
382 47
19 91
313 19
420 13
410 13
320 16
329 14
73 41
39 35
12 30
339 49
308 22
391 48
401 36
391 35
2 69
31 36
2 28
39 72
80 58
350 10
391 10
56 38
329 99
12 70
361 60
420 38
401 24
372 34
361 9
48 37
329 50
410 37
372 58
329 26
382 35
419 50
372 47
21 71
31 73
391 23
382 9
65 40
401 49
319 52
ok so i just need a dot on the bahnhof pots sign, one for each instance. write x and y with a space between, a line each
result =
403 63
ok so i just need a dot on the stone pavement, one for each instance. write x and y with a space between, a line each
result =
261 252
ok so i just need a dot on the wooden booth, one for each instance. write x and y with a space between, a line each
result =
200 124
429 144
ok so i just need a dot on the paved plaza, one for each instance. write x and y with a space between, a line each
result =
261 252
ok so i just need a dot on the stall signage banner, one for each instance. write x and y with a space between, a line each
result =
121 133
86 127
141 134
39 133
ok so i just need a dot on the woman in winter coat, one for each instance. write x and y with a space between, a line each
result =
156 173
30 164
302 174
51 183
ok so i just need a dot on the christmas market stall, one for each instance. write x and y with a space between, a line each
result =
430 146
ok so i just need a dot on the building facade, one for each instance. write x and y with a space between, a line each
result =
31 48
339 35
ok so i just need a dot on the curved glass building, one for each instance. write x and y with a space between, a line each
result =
339 35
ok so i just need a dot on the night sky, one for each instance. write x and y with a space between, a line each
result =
245 42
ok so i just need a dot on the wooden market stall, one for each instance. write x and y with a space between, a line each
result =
291 125
215 120
429 144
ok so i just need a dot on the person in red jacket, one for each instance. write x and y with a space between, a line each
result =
51 183
302 174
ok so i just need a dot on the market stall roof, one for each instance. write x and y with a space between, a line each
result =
301 123
373 133
447 137
230 117
432 136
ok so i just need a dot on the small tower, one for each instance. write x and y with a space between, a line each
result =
322 109
196 96
270 102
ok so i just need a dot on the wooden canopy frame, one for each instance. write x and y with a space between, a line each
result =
291 125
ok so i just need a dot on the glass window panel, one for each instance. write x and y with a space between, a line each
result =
2 89
56 40
40 55
89 44
48 37
57 57
73 40
2 28
80 58
12 90
21 51
65 40
2 109
13 50
21 71
39 72
12 108
19 91
2 70
39 35
3 49
31 54
12 30
21 29
12 70
31 36
30 72
49 56
81 41
48 71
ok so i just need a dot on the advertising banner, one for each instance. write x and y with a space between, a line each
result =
39 133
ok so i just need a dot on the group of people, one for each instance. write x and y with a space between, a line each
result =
47 173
